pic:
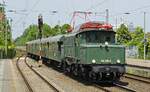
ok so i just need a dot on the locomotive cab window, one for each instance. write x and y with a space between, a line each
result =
97 36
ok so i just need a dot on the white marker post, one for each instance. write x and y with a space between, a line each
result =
144 36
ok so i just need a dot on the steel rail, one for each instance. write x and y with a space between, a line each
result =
46 81
124 88
25 80
137 78
136 66
101 88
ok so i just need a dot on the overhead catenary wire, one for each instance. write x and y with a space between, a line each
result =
95 6
27 14
36 3
91 8
131 11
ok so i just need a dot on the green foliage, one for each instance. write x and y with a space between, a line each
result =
137 36
64 28
32 33
2 8
6 44
1 39
5 34
137 40
46 30
123 35
134 38
148 42
29 34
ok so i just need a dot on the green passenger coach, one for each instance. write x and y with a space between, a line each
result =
89 51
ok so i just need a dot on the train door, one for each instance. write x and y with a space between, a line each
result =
60 49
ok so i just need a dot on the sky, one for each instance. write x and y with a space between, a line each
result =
27 11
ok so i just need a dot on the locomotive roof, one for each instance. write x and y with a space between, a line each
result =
78 32
97 25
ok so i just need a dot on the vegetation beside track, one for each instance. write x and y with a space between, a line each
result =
134 38
6 43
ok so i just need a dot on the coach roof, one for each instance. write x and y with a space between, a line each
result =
52 39
49 39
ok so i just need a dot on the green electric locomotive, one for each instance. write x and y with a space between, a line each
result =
89 51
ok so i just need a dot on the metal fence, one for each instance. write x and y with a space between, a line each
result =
132 52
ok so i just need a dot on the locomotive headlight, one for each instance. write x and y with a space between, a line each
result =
106 43
118 61
93 61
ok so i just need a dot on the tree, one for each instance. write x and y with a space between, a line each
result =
64 28
137 36
148 45
123 35
46 31
31 33
5 30
138 40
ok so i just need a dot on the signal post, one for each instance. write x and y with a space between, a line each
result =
40 27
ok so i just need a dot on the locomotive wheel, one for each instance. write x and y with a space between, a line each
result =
92 75
100 76
68 68
74 70
82 72
64 66
114 76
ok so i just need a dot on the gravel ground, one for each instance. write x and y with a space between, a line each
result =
19 83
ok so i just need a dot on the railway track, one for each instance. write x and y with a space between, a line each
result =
101 88
125 88
144 78
47 82
116 87
137 78
136 66
40 76
23 76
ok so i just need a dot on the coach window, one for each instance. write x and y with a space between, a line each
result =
48 44
59 45
77 39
